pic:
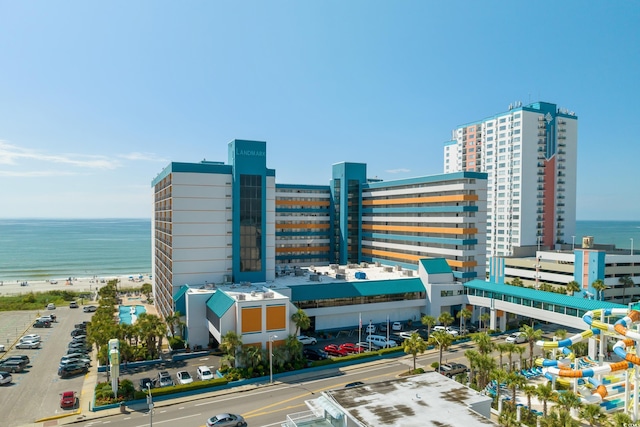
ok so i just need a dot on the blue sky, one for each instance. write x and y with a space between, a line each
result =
96 98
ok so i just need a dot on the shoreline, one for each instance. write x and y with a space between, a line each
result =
80 284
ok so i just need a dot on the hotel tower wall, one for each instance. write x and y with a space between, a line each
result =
219 223
529 154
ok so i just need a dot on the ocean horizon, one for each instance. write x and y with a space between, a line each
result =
43 249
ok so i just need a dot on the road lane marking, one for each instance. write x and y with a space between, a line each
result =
171 420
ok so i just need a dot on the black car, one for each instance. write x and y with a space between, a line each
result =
12 366
78 331
82 325
146 383
21 357
72 369
42 324
314 354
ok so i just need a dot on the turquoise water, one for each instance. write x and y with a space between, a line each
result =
125 313
40 249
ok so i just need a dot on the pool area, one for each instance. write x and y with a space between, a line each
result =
129 313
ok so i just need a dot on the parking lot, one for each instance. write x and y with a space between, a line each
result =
35 392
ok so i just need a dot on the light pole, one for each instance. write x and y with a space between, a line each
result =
573 242
631 245
271 337
150 402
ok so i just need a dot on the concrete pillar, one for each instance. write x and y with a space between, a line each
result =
503 322
493 321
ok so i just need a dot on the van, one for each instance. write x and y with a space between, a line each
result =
380 341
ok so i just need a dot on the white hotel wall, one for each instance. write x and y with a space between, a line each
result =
338 317
197 324
202 227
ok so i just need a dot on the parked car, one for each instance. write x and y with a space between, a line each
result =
74 345
42 324
79 338
305 340
28 345
452 369
68 399
204 373
48 318
382 327
146 383
78 331
21 357
72 369
164 379
89 308
406 334
380 342
371 329
226 420
184 377
517 338
352 348
5 378
334 350
82 325
12 366
353 384
79 357
396 326
73 304
51 306
82 351
314 354
453 331
80 362
30 337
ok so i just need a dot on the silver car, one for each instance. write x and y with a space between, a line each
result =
30 345
226 420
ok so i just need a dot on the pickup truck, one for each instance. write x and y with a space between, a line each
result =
452 369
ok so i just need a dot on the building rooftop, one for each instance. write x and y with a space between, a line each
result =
420 400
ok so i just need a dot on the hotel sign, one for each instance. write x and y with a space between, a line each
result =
251 153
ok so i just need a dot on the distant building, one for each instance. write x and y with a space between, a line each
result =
584 264
529 154
218 223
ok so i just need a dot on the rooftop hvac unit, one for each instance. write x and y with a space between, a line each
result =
299 272
228 278
364 265
240 297
378 264
340 271
340 276
253 293
267 295
398 268
333 266
387 269
408 273
314 278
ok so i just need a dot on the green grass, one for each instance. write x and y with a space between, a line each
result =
38 300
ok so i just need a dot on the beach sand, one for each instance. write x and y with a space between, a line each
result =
84 284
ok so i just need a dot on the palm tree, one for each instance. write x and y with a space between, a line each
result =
485 318
301 320
559 417
472 357
499 376
445 318
429 322
599 287
626 282
569 400
509 348
293 348
560 333
532 335
508 418
484 343
572 287
230 344
516 282
529 391
463 315
442 340
253 355
414 345
545 393
515 381
502 348
175 322
593 415
620 419
519 351
485 364
147 290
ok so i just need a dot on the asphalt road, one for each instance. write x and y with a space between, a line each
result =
35 393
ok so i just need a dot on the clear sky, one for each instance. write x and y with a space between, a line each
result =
97 97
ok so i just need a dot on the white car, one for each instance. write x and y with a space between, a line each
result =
517 338
30 337
184 377
439 328
305 340
5 378
371 329
30 345
406 335
397 326
204 373
75 358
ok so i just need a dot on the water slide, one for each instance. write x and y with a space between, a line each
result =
558 368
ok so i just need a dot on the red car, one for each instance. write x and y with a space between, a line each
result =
334 350
352 348
68 400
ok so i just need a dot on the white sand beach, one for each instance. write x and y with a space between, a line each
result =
85 284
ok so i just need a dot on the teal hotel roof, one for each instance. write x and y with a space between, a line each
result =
363 288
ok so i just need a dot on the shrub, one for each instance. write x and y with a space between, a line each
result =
176 343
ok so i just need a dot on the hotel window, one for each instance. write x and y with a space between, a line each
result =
490 131
516 131
516 139
516 116
503 120
490 138
250 222
502 128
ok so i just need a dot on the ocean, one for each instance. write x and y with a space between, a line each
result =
41 249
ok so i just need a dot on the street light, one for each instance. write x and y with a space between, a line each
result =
573 242
631 245
271 337
150 402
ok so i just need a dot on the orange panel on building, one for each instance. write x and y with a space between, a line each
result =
276 317
251 319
